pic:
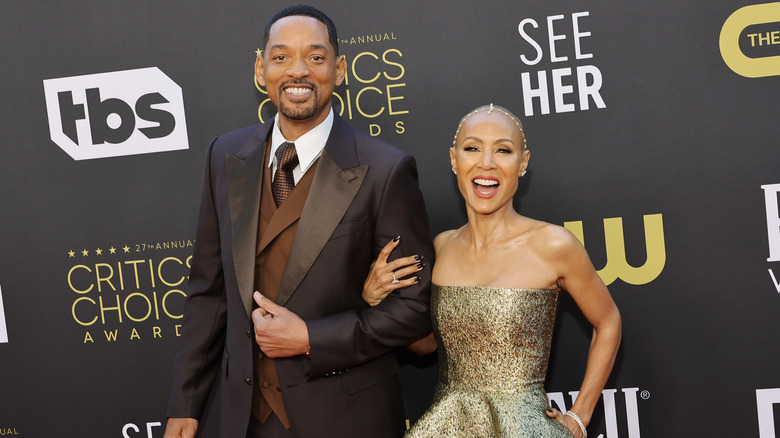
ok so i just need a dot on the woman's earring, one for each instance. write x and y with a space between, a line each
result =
522 174
454 171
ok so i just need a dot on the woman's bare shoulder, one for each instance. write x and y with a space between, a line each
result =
553 240
445 238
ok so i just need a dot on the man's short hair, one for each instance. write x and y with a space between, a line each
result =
306 11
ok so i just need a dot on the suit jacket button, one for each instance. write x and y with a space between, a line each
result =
248 381
248 333
265 385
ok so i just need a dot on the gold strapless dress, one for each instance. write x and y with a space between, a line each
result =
494 345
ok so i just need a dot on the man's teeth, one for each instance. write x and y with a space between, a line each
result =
297 91
486 182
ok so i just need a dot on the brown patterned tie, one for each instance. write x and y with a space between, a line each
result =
284 182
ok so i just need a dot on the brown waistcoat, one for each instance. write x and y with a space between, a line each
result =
275 236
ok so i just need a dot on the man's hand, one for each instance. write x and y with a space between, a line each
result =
181 428
278 332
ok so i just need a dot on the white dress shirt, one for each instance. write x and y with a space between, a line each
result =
309 146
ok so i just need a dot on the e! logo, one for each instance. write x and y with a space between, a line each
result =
735 58
114 114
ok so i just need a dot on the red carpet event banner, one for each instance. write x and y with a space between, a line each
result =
654 136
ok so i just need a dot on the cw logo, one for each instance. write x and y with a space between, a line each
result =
729 40
3 329
617 266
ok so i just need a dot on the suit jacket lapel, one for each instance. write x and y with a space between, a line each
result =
336 182
245 176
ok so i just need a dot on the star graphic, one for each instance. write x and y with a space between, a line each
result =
126 248
99 251
112 250
71 253
259 52
85 253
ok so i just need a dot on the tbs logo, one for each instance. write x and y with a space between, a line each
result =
114 114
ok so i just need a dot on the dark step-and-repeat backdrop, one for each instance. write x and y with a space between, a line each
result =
655 136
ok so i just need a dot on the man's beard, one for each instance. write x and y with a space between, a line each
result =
295 112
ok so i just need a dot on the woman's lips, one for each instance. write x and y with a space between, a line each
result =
485 186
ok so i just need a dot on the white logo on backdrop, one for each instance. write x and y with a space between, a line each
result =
771 193
772 220
610 409
132 427
574 86
3 329
765 398
115 114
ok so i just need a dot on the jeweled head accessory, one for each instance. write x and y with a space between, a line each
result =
490 108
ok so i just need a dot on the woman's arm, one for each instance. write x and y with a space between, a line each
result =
379 284
581 281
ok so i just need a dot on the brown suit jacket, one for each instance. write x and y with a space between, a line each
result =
277 227
363 194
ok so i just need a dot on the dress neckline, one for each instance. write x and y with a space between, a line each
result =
495 288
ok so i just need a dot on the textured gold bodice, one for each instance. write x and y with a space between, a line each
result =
494 345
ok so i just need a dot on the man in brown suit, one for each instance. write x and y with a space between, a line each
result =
297 208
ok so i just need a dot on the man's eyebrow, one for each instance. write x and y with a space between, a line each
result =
311 46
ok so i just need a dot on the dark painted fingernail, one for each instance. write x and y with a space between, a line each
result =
416 279
548 410
418 257
420 265
396 238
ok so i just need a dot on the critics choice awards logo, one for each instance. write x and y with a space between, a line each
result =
750 40
130 292
373 93
114 114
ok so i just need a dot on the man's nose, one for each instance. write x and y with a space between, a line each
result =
298 69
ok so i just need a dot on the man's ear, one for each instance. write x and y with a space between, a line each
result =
259 71
341 69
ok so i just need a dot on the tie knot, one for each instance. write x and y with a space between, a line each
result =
287 156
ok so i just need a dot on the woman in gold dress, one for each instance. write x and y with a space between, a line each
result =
496 282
